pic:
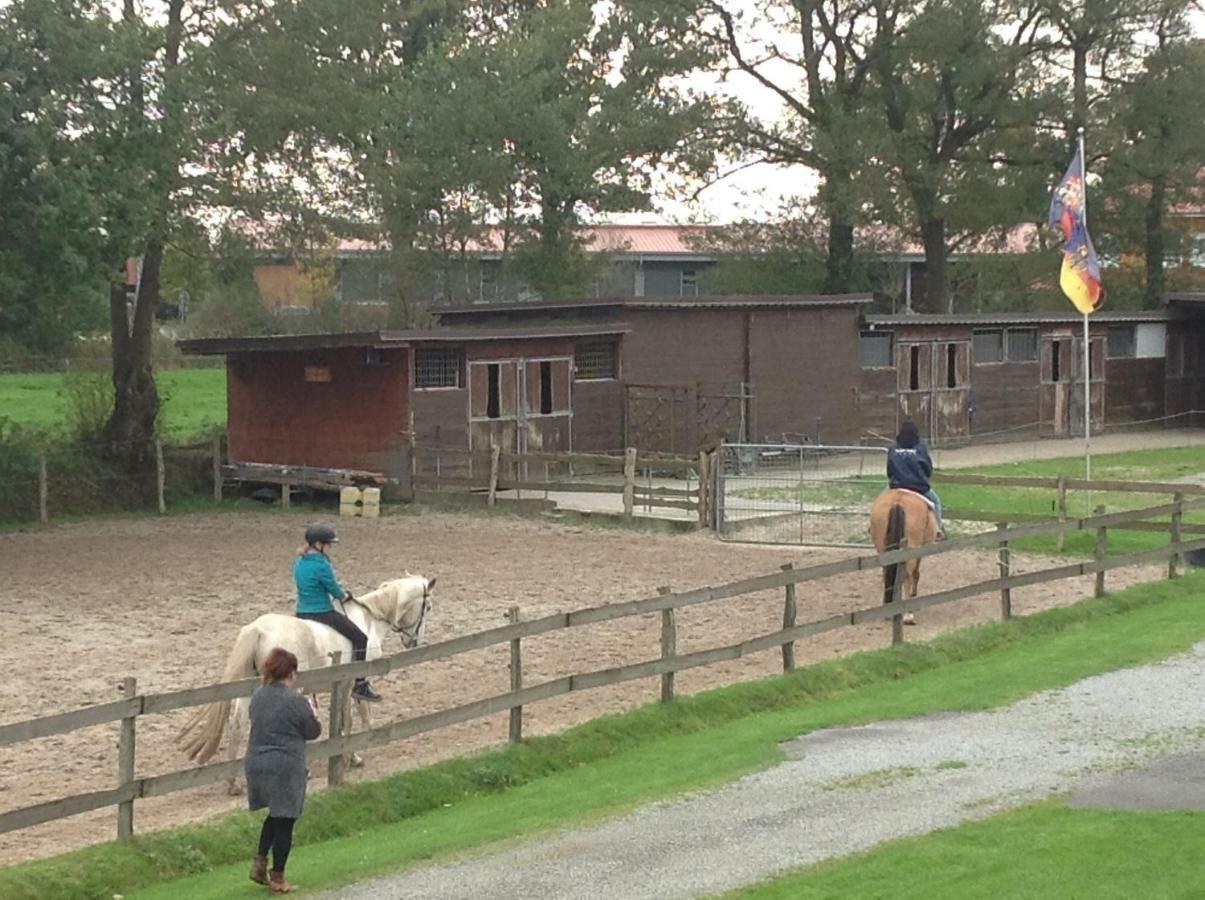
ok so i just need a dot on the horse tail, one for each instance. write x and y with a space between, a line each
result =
209 723
895 534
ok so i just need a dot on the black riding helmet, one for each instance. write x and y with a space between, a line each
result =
320 533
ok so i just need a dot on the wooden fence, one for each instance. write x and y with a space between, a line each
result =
133 706
630 474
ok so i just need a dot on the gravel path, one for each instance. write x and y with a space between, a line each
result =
843 790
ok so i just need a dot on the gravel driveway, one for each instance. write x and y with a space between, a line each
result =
846 789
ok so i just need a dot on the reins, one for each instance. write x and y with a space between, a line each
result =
410 635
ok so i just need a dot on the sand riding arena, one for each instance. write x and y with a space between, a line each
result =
87 604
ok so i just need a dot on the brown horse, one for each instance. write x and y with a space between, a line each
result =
898 514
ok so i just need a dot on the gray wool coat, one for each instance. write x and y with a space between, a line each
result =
281 723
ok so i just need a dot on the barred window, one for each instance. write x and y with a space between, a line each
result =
988 346
595 359
1120 341
1022 344
874 349
437 368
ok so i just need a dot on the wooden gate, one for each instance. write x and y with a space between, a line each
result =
933 384
1061 394
521 404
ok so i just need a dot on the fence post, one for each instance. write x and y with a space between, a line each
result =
1062 509
495 457
788 621
669 647
125 763
704 500
629 482
516 679
1006 565
1177 517
897 589
335 764
1098 553
160 475
43 491
217 468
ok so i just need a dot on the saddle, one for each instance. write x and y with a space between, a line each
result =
916 493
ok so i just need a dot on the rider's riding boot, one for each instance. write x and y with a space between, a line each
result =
362 690
259 870
277 883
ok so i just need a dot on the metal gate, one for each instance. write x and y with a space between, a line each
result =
677 418
808 494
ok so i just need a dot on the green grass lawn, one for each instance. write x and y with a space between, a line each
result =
1163 465
614 763
1046 850
194 400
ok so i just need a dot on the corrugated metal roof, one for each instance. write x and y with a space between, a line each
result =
624 240
392 339
660 302
1018 318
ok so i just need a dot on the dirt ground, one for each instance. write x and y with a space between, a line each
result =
86 604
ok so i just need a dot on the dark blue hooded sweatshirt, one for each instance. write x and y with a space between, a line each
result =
908 464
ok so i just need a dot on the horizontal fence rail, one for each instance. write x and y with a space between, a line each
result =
130 708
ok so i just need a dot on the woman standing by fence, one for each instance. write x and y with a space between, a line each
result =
282 720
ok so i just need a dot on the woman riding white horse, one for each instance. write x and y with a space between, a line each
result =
317 586
400 606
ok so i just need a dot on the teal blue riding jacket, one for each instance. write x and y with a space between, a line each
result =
316 583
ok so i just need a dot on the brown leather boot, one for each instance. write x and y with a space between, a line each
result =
259 870
277 883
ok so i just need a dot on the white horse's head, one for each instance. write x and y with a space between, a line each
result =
403 604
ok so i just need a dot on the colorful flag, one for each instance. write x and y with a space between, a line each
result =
1080 275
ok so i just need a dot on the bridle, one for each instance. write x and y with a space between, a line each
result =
410 636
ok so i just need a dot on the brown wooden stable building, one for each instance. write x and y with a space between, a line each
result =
674 374
961 377
364 401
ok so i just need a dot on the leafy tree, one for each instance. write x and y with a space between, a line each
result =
816 58
1158 164
953 91
52 221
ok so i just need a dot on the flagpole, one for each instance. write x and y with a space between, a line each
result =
1087 345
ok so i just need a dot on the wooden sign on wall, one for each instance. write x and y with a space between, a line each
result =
318 374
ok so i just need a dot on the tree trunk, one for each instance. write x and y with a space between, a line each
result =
839 263
1153 243
937 296
130 431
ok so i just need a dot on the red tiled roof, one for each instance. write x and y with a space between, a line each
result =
652 240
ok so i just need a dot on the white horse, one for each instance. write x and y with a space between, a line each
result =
400 606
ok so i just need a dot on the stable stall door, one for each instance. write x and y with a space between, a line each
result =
547 410
494 405
933 381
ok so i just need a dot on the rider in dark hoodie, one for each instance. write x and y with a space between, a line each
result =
910 467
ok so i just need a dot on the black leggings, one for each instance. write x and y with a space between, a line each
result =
345 627
277 834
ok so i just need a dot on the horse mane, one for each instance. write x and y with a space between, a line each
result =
386 601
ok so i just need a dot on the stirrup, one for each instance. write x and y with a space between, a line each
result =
363 691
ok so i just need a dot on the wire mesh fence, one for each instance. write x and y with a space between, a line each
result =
807 494
47 481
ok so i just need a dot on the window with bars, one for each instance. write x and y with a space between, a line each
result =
874 350
437 368
1120 342
1022 344
988 346
595 360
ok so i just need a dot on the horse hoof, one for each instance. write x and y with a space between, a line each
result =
234 789
909 619
357 761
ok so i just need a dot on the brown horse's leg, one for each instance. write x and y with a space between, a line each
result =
912 581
